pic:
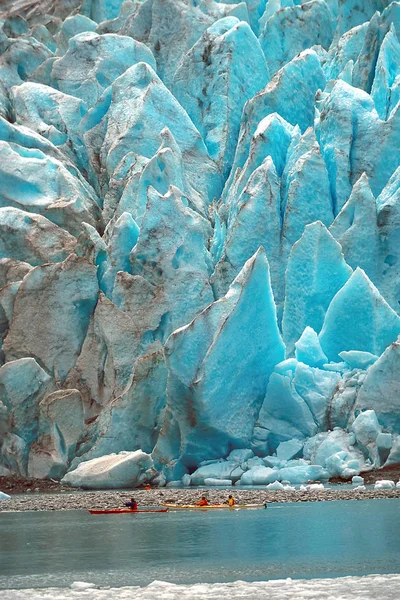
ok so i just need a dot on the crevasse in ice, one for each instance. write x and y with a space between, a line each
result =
199 240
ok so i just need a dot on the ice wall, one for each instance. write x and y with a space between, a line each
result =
199 237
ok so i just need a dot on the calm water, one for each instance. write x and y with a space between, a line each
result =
301 540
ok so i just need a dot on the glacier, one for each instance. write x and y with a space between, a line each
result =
199 241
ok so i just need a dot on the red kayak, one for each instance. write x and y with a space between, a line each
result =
119 511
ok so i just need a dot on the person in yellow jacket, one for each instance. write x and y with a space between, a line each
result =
230 501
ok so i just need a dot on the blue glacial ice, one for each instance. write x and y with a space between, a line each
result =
199 240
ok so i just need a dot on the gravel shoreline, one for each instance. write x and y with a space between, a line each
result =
111 499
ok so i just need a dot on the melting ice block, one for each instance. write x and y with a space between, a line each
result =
123 470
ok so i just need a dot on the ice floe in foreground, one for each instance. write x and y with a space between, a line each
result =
384 587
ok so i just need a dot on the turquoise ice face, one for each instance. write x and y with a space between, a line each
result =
199 237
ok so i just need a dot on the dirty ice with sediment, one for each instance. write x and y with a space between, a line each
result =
199 240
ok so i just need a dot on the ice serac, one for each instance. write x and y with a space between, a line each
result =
23 383
32 238
124 236
354 140
69 289
92 62
388 203
142 405
295 28
171 27
132 113
219 366
316 271
54 115
386 87
109 350
254 220
356 229
215 103
358 318
37 183
60 426
380 389
303 73
308 349
171 266
306 191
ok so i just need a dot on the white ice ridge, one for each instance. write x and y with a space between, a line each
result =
384 587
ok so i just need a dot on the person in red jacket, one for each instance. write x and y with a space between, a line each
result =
133 505
203 501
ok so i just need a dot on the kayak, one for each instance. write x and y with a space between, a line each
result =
120 511
212 506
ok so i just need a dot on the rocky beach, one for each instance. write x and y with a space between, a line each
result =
81 500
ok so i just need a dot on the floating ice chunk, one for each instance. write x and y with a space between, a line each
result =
4 496
81 586
357 480
123 470
315 487
275 486
359 488
384 484
216 482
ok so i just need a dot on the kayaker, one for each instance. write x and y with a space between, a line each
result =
230 501
147 486
203 501
133 505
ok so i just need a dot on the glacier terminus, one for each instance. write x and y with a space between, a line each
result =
199 240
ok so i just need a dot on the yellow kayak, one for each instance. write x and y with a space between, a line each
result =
213 506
